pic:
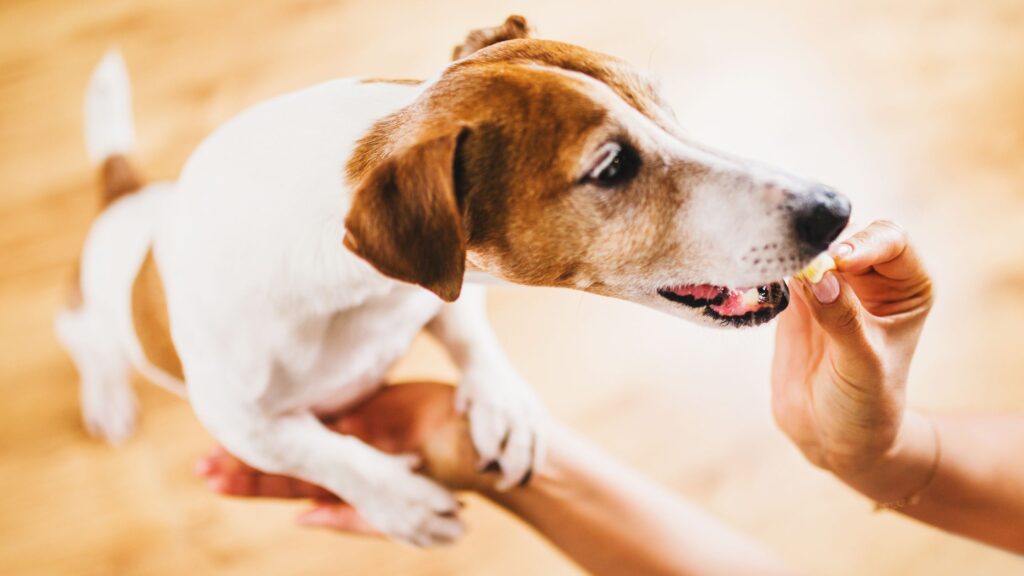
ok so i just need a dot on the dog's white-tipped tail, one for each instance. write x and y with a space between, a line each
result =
109 128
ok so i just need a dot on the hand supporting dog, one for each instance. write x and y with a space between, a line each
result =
610 520
384 487
505 414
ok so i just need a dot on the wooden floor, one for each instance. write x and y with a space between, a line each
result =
915 109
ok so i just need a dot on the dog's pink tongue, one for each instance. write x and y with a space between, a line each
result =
699 291
734 305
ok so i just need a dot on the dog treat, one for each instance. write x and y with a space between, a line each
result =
815 271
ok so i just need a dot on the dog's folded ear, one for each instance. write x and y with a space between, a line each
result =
405 218
513 28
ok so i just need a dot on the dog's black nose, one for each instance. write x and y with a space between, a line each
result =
820 218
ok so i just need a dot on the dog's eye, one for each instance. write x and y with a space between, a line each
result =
616 164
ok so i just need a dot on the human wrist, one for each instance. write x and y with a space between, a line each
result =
904 471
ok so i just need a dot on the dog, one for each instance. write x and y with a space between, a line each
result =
311 238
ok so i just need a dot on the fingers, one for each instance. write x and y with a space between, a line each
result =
795 338
837 310
342 517
227 475
883 246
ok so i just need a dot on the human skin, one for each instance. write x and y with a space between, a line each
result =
607 518
839 378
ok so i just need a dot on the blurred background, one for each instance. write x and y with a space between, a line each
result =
914 109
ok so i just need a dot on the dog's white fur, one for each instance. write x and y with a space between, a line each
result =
273 318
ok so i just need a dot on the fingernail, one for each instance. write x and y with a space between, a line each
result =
841 250
217 484
203 467
827 290
314 517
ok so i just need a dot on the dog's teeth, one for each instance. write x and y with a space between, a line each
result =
751 297
815 271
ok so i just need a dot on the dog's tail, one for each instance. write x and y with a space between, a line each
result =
110 129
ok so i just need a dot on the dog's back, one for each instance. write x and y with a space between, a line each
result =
117 318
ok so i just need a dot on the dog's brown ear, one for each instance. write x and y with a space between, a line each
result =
513 28
405 218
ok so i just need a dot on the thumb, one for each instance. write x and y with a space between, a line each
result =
834 306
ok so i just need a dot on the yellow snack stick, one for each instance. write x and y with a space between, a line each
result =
814 271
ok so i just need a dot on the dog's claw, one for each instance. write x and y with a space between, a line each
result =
504 417
489 467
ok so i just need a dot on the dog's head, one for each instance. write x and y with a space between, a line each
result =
546 164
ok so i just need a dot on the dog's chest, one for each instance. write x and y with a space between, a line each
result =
334 360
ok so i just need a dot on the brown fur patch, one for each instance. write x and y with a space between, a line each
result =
503 166
151 321
637 90
424 242
524 123
514 27
117 178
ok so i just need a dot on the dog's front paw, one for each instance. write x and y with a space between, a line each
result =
505 419
409 507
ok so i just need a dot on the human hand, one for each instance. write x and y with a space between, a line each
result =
843 352
418 419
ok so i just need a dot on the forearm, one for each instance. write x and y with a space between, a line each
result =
977 489
612 521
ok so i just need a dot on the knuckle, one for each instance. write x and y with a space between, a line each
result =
893 229
848 321
890 225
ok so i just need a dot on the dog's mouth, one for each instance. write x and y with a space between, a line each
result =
735 307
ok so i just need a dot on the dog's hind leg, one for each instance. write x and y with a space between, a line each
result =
384 488
107 399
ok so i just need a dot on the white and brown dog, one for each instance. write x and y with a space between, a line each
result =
310 239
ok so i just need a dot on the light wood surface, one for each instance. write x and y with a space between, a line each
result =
915 109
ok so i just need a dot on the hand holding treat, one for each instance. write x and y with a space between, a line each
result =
843 353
